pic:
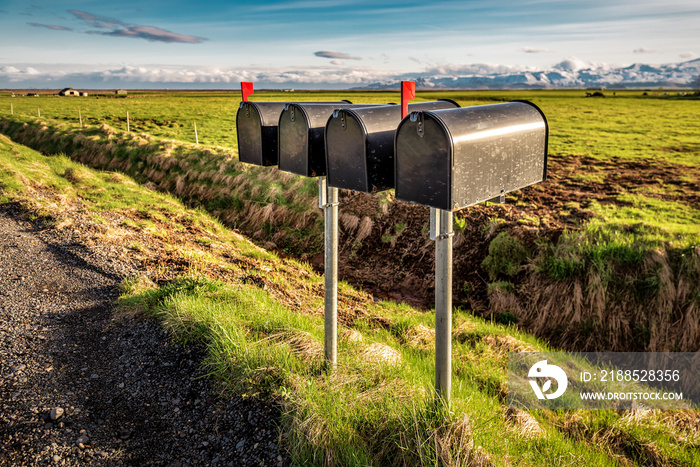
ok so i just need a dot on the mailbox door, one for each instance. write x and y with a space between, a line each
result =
294 141
423 161
346 143
360 145
257 136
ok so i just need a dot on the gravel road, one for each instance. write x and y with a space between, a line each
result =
82 386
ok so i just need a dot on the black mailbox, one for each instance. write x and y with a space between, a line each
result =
450 159
302 149
256 127
360 145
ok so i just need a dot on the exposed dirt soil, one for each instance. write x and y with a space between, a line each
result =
401 266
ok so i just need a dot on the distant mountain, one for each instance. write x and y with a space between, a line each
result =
570 73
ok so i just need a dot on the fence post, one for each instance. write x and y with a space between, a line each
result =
128 129
80 117
196 138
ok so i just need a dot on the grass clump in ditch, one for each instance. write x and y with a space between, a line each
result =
506 254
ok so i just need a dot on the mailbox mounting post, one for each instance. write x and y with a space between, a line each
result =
450 159
328 201
441 220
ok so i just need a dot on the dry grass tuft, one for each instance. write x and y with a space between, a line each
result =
267 214
463 330
382 354
635 416
76 175
421 336
117 178
350 336
349 222
502 301
452 442
526 425
685 422
621 444
365 229
302 343
502 344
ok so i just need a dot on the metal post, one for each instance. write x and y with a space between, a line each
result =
196 138
128 130
80 117
328 201
443 303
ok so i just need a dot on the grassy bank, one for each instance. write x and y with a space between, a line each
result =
268 205
259 318
602 256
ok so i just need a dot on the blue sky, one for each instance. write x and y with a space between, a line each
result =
332 43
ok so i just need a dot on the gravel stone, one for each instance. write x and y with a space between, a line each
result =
56 413
59 328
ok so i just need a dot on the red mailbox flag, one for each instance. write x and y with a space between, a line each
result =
408 92
246 90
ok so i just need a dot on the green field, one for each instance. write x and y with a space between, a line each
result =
628 125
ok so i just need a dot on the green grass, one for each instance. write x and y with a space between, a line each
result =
363 413
366 412
506 254
622 236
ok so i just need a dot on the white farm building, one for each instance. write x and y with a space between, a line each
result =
71 92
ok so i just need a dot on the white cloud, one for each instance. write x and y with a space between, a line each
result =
533 50
688 55
474 69
119 28
644 50
153 34
572 64
336 55
57 76
570 72
50 26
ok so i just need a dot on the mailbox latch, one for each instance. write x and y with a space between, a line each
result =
500 199
418 117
